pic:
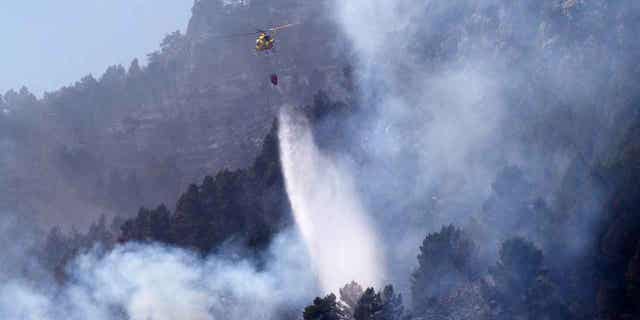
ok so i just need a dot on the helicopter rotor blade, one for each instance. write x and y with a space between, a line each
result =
234 35
258 31
283 26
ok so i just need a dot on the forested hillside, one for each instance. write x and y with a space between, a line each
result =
139 134
492 147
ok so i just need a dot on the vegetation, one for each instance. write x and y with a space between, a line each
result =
453 278
245 208
250 205
447 260
528 252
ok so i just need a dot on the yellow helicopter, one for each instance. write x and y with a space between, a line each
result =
265 42
266 39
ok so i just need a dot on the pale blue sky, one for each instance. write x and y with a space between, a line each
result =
46 44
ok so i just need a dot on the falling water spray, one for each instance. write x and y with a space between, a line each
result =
331 219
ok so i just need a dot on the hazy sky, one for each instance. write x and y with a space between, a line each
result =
45 44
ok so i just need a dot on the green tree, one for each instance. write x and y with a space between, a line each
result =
522 288
392 308
515 207
368 304
189 219
148 226
350 294
447 260
384 305
327 308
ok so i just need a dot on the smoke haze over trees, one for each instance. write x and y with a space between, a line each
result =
471 159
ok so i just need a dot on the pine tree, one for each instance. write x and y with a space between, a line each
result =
447 260
522 288
368 304
350 294
189 219
384 305
327 308
391 308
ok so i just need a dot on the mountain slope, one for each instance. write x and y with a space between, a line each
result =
138 135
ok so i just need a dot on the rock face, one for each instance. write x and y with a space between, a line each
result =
244 208
619 238
139 136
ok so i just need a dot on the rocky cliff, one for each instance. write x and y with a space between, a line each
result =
139 135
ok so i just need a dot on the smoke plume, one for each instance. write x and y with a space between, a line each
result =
455 91
144 281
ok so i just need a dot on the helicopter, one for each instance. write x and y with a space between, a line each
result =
265 42
266 38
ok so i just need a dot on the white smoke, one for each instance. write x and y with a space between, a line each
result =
340 239
446 114
141 282
452 96
445 117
